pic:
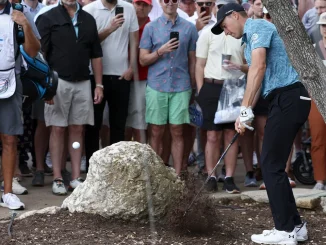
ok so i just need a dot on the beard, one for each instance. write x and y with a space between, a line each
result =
108 1
68 3
3 2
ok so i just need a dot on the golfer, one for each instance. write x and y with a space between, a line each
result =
272 75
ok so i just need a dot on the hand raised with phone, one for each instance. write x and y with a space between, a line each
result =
116 22
203 20
170 46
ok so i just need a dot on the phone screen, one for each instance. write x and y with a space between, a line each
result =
205 9
118 10
174 34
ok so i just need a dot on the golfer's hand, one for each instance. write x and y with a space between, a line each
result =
240 128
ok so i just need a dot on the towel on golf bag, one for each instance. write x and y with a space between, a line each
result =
39 81
230 100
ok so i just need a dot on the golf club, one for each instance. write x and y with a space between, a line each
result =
223 155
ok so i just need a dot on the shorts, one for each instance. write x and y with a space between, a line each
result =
38 110
137 106
261 108
207 99
11 113
73 105
164 107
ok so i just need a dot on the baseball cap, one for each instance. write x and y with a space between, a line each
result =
322 19
145 1
265 11
224 11
224 2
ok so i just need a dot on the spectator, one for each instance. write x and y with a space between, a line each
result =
11 105
170 78
72 107
316 121
257 8
188 6
33 6
210 76
136 124
157 11
320 6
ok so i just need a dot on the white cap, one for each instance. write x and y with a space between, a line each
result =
265 11
322 19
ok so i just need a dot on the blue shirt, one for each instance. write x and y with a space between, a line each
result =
170 73
279 71
35 11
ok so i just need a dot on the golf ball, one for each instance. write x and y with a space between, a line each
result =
75 145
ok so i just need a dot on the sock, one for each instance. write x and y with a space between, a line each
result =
227 177
213 177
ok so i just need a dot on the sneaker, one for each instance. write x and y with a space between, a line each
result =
211 184
11 201
292 183
319 187
66 175
24 169
38 179
74 183
83 164
48 160
230 187
47 170
17 189
58 187
302 232
262 186
276 237
250 180
221 176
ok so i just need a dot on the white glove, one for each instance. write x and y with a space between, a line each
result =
246 116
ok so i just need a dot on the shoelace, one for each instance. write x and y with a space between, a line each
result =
270 232
11 197
59 183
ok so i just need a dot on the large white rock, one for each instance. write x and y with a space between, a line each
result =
122 180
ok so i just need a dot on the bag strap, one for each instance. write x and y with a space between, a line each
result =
322 48
18 29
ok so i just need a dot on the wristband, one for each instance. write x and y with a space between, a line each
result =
158 54
100 86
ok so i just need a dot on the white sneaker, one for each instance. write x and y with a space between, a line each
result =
74 183
319 187
11 201
17 189
58 187
276 237
83 164
48 160
302 232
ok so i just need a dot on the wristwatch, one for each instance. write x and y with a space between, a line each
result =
100 86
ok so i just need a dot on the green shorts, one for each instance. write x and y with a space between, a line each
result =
165 107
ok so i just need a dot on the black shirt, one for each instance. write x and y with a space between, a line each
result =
68 55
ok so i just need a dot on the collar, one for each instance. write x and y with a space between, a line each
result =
166 20
101 6
245 30
38 6
7 8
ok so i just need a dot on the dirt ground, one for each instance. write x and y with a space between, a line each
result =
227 223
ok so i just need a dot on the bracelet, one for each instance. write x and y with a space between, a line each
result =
100 86
159 55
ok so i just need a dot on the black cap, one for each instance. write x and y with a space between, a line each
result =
222 13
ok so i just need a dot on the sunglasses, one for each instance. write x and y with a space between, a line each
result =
207 4
166 2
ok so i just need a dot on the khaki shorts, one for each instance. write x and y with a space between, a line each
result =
73 105
137 106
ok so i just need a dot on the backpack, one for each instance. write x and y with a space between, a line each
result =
38 79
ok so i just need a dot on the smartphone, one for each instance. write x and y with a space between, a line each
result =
204 9
118 10
174 34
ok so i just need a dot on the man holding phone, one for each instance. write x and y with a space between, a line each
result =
171 60
117 27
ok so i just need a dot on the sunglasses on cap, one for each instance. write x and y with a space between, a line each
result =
207 4
166 2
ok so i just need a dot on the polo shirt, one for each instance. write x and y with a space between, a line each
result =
115 46
279 70
65 52
211 47
170 73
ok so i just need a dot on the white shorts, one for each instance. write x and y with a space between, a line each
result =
73 105
137 106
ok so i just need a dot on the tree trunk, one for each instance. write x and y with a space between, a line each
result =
300 50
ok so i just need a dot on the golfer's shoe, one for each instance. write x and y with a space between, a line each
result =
74 183
230 187
301 230
58 187
211 184
11 201
17 189
276 237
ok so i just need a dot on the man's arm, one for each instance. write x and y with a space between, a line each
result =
98 72
133 44
192 67
115 23
255 77
199 74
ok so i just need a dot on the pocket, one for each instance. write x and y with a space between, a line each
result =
7 83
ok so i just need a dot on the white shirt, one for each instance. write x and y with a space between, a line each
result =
115 46
210 24
45 9
35 11
157 11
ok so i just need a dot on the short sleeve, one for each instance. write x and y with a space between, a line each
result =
203 45
133 21
193 39
96 51
261 36
146 39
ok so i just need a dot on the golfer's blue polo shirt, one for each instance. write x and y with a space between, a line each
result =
279 71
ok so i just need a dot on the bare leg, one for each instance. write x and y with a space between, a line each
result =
260 122
65 151
157 132
105 136
177 146
41 143
247 149
165 147
75 135
297 141
9 154
212 150
57 144
232 155
139 135
189 139
128 134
